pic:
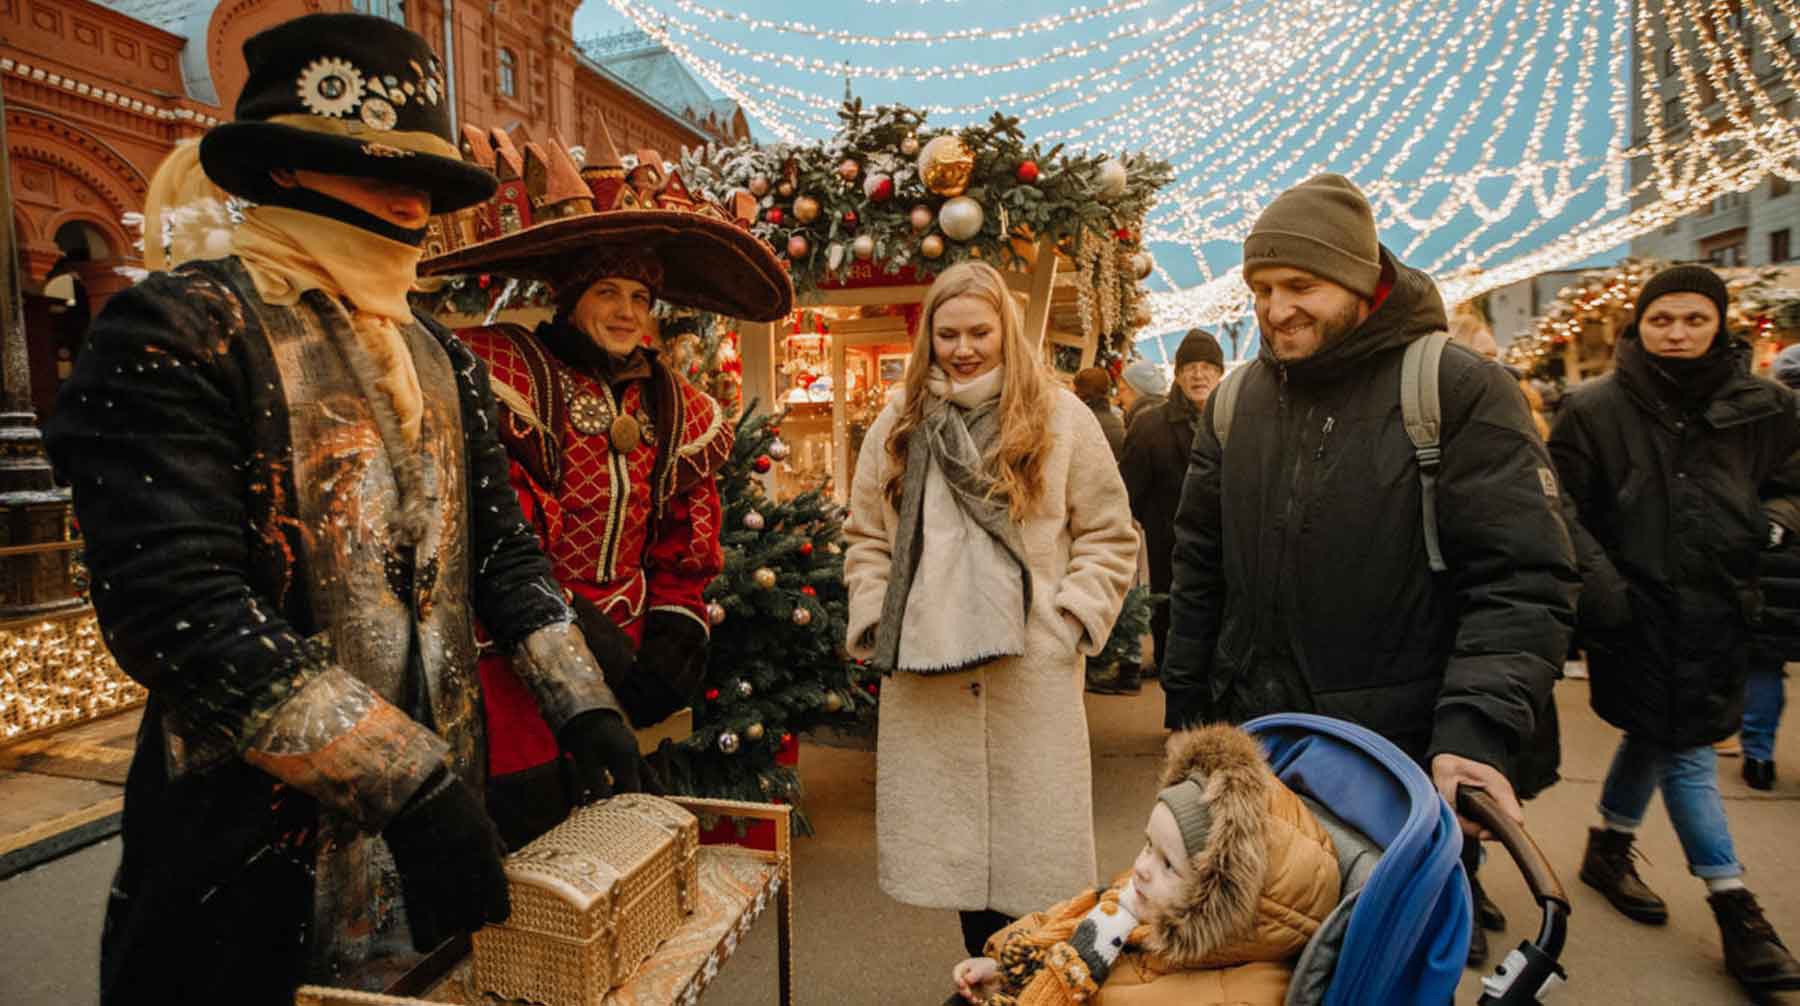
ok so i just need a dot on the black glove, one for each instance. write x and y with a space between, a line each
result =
449 856
603 753
608 643
671 667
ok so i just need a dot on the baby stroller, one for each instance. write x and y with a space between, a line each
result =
1400 934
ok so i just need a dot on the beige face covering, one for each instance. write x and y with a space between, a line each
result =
288 252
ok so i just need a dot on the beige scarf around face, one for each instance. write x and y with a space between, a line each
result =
288 252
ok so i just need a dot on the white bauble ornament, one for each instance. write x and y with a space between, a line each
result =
802 616
834 256
1142 265
759 186
715 613
1111 178
1142 315
961 218
778 449
745 689
729 743
753 521
922 217
863 247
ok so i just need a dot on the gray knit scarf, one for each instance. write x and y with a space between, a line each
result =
978 585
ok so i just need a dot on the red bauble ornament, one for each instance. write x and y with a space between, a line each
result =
1028 172
762 463
806 548
787 741
872 689
774 215
484 280
849 218
774 431
809 591
712 695
1123 234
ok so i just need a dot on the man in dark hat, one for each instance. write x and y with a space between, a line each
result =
613 453
1683 470
1155 461
295 506
1305 578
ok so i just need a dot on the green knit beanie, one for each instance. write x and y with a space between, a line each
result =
1323 225
1186 800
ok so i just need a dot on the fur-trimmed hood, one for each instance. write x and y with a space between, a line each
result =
1268 874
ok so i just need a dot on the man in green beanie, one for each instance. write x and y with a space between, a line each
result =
1302 580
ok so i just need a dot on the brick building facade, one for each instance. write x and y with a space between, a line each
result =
97 93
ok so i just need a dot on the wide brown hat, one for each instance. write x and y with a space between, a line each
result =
552 219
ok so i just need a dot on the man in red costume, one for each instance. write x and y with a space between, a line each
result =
613 453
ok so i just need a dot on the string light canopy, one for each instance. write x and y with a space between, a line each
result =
1494 138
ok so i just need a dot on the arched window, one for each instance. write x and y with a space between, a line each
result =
509 73
393 10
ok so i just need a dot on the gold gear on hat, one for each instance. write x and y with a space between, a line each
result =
330 87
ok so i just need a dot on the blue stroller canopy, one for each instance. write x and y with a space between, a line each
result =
1408 937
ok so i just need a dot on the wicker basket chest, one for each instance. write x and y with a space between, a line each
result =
591 900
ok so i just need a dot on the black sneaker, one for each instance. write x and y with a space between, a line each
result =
1759 774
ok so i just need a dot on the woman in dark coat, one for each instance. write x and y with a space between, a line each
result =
1681 468
1777 635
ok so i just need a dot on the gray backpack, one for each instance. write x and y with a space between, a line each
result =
1420 410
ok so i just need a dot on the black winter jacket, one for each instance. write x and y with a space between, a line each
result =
1671 531
1154 468
1110 424
1299 550
1778 632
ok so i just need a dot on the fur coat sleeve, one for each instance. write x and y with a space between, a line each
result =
1103 545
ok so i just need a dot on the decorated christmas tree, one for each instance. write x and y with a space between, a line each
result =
776 665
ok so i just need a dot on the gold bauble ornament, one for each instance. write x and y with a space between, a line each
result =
626 434
806 209
910 145
932 246
754 732
945 165
764 578
785 190
833 702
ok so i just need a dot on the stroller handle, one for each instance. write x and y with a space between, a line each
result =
1476 805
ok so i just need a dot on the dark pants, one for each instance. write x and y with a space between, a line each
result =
978 926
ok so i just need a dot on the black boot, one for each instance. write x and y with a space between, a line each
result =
1754 955
1607 867
1759 774
1478 945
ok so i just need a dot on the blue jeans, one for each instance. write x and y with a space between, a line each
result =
1764 694
1690 787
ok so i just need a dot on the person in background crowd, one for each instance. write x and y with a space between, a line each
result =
295 507
1156 458
1778 634
1094 387
990 547
1682 469
1471 329
1301 581
1142 385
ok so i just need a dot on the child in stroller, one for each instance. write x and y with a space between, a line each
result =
1235 876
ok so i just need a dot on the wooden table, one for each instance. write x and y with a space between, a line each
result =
737 886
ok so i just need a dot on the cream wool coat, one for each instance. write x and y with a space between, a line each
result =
984 791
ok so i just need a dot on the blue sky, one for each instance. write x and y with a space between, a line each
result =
1410 97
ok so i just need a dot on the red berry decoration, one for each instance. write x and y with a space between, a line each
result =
809 591
787 741
1123 234
712 695
849 218
774 215
1028 172
806 548
872 689
774 431
763 463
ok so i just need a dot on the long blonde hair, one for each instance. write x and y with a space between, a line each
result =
1025 397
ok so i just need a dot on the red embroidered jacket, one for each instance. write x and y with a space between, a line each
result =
633 532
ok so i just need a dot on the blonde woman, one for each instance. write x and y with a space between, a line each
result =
990 547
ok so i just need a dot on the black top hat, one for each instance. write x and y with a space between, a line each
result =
344 94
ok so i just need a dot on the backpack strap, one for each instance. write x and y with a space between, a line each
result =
1422 412
1225 398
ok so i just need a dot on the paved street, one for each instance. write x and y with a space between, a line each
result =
857 947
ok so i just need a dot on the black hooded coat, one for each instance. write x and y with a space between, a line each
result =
1675 486
1301 580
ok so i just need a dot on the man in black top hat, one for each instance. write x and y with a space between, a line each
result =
295 506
